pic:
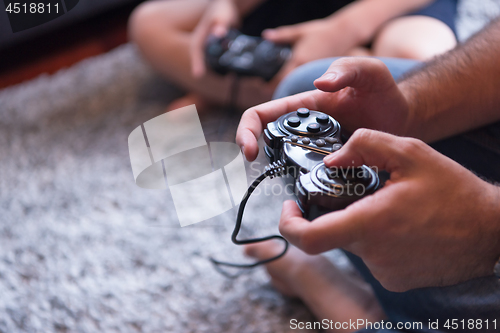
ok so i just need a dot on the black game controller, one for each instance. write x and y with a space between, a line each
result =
300 140
296 144
324 190
245 55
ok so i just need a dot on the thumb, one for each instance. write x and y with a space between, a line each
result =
357 72
196 48
284 35
374 149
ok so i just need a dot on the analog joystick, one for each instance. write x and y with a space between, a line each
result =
325 190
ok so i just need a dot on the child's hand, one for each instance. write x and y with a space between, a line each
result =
314 40
218 18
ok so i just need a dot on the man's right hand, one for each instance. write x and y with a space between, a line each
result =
358 92
434 223
218 18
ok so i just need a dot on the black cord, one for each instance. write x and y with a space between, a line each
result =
276 169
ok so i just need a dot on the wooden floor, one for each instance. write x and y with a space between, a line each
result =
91 38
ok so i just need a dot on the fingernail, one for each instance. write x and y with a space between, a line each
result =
329 158
328 76
268 33
242 148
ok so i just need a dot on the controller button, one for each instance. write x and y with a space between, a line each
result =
331 140
323 119
294 121
313 128
320 142
306 141
294 138
303 112
336 146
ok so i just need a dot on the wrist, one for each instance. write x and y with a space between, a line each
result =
245 6
413 126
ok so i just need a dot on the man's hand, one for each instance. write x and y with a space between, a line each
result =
358 92
434 223
218 18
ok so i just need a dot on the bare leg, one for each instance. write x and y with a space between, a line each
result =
328 292
162 31
413 37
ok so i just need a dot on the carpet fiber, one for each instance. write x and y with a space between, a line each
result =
83 249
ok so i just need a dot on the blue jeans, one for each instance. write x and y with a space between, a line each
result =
479 151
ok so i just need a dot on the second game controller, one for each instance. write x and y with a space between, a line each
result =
245 55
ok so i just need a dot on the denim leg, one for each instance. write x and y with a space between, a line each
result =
302 78
479 151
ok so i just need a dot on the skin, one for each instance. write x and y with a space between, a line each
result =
177 30
328 292
451 229
431 205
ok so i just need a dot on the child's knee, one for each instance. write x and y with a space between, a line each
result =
149 20
414 37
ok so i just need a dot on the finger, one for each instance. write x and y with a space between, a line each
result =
254 119
198 40
339 229
351 228
356 72
284 35
375 149
292 225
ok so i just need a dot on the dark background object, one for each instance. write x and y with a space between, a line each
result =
82 11
25 14
91 28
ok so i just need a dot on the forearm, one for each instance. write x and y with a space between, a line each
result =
457 91
365 17
246 6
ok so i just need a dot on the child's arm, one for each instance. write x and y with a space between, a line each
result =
217 19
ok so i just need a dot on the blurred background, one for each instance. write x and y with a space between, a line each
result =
94 27
82 248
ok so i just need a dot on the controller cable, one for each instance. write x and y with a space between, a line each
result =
276 169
